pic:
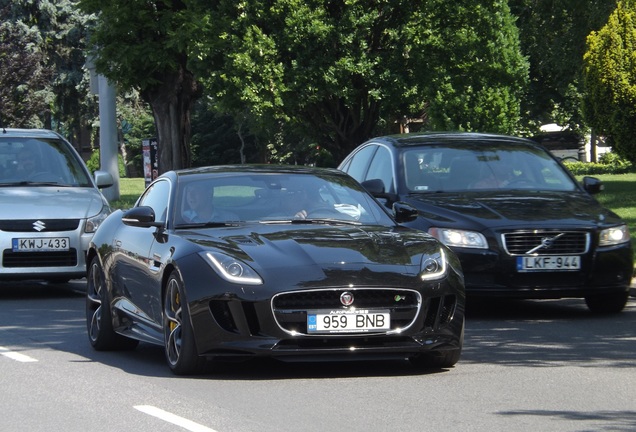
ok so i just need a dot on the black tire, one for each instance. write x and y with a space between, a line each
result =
442 359
179 345
607 303
99 324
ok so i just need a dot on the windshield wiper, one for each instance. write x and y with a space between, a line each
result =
324 221
209 224
31 183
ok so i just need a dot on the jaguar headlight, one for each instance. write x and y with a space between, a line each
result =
92 223
433 266
459 238
613 236
232 269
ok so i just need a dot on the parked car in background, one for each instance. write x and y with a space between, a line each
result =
292 263
50 206
520 223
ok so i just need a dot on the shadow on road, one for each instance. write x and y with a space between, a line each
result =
546 333
509 333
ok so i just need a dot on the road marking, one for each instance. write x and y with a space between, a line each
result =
172 418
16 355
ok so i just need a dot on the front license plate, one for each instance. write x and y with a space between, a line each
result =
42 244
548 263
356 321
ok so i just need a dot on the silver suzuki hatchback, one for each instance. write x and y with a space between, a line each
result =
50 206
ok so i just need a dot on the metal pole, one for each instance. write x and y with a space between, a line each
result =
108 136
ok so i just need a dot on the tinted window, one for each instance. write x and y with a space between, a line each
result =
357 165
382 168
496 166
156 196
41 160
276 198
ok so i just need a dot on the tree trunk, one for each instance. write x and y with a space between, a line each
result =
171 104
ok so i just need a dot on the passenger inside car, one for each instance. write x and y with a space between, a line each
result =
200 206
493 176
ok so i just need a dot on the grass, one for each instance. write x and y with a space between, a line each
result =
619 195
129 191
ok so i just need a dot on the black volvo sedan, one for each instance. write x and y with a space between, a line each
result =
520 223
287 262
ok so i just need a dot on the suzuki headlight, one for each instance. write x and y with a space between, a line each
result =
459 238
613 236
232 269
433 266
92 223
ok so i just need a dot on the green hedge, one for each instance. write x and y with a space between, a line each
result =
609 163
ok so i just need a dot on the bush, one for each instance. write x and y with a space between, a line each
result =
93 163
609 163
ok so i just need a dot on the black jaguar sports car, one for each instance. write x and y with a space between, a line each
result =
520 223
288 262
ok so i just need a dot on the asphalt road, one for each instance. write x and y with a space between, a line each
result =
526 366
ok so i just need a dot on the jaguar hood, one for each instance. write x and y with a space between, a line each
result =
312 254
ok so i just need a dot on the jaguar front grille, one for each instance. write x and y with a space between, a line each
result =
290 309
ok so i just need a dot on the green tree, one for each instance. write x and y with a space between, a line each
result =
610 80
24 78
552 35
42 65
334 73
145 45
477 74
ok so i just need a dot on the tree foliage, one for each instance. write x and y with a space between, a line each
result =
41 60
24 77
334 73
477 74
552 35
299 79
145 45
610 79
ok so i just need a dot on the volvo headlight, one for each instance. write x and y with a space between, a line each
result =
92 223
613 236
433 267
459 238
232 269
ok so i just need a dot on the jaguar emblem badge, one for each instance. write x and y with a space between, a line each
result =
346 298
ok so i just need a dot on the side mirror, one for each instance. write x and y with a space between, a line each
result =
142 216
103 179
376 188
592 185
404 212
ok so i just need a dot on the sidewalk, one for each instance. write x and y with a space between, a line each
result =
633 290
